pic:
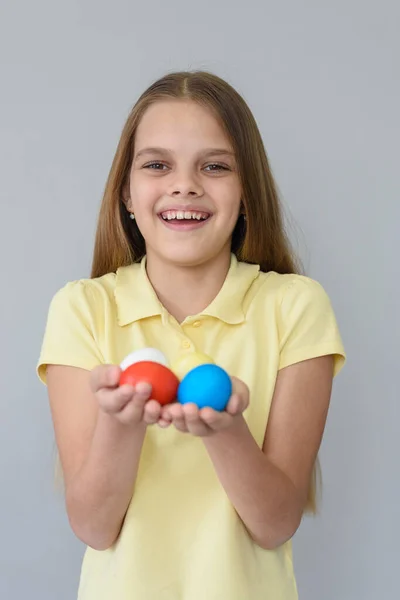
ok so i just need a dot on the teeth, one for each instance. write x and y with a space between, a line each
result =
171 215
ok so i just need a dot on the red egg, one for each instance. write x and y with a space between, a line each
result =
163 381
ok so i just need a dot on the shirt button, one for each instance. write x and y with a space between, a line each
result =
186 344
197 324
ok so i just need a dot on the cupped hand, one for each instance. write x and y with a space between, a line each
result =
188 418
126 403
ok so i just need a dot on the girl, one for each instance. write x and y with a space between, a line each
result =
173 502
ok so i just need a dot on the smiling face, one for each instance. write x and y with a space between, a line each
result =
184 189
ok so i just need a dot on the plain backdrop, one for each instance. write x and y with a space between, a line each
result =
322 79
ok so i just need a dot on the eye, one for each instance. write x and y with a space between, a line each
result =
155 166
215 167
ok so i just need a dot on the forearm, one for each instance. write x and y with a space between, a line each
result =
98 496
264 497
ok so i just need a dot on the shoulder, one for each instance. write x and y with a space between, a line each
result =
299 310
288 289
301 295
291 298
74 328
83 295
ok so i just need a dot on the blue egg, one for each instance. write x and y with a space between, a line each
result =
206 385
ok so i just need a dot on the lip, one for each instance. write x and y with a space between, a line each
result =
184 225
187 225
186 207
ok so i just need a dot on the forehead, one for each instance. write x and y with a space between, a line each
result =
173 122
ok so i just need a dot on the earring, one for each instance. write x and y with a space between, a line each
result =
132 216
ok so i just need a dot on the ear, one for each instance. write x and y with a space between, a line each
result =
126 199
128 203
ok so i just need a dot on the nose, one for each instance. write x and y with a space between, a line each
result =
186 185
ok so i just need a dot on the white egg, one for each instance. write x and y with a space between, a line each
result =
144 354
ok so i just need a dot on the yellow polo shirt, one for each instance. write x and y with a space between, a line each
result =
181 538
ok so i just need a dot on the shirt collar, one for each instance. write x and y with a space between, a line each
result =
228 304
136 298
134 294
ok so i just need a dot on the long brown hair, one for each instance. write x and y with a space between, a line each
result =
260 239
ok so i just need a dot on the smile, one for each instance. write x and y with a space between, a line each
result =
184 220
187 215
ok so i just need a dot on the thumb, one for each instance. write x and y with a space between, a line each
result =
239 398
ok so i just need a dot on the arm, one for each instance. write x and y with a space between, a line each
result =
99 431
269 488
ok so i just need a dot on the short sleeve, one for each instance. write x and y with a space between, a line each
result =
70 332
308 326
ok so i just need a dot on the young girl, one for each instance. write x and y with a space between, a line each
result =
173 502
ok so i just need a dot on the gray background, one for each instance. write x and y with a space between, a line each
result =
323 82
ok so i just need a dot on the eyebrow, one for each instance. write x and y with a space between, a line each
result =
206 152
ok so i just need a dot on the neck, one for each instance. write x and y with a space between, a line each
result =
186 291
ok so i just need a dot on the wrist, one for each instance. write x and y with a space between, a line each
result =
237 430
112 426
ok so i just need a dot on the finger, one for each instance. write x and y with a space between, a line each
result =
239 399
165 413
177 417
215 420
173 411
235 404
180 425
104 376
113 401
194 422
129 414
165 419
241 389
132 413
152 412
134 409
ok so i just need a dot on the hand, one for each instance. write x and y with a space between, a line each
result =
128 404
188 418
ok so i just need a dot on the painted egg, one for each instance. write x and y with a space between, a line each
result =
187 362
163 381
206 386
144 355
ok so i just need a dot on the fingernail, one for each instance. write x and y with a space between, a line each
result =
143 387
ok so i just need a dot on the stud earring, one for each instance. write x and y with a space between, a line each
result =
132 216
